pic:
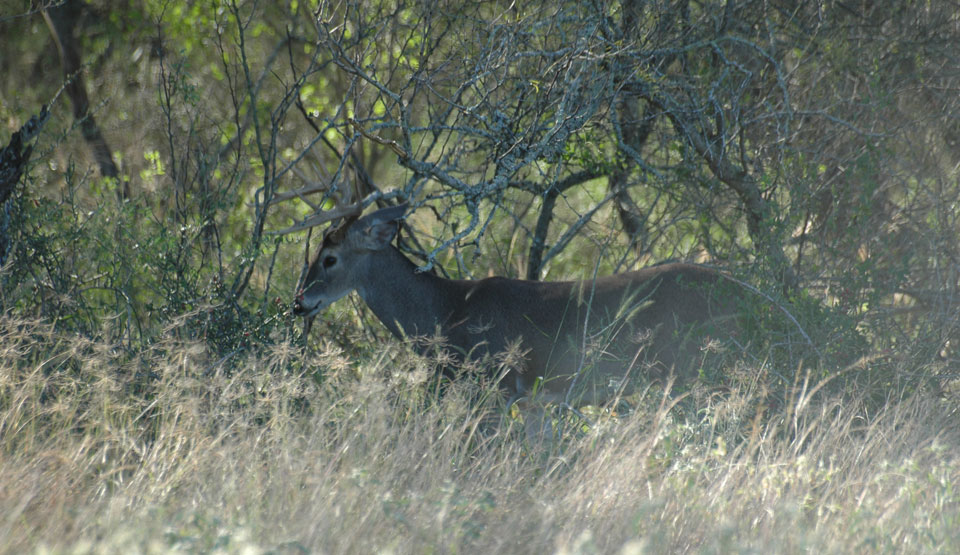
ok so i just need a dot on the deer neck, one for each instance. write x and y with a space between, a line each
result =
408 302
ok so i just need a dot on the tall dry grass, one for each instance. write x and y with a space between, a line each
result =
106 452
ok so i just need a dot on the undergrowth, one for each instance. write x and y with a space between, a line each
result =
173 448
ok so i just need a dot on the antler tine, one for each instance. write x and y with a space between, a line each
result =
318 167
311 188
321 218
343 195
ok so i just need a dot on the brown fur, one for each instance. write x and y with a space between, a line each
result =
583 341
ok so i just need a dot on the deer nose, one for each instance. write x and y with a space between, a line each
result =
298 303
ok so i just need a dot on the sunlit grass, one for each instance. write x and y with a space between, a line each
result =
173 449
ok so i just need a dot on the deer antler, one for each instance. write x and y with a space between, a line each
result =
346 206
322 217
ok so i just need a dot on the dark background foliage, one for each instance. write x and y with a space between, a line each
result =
809 148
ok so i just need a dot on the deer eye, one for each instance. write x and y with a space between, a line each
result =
329 261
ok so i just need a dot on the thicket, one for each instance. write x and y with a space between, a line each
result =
807 148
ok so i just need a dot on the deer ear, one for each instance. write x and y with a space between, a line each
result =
376 230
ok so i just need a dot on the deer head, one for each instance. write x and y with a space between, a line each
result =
334 271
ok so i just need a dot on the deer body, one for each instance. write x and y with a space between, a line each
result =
582 340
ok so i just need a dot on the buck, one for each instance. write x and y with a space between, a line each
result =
583 342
